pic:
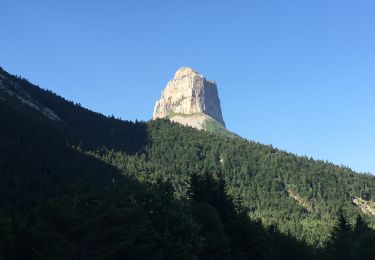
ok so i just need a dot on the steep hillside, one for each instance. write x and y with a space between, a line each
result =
80 183
56 202
258 177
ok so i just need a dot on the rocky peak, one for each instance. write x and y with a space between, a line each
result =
189 99
184 71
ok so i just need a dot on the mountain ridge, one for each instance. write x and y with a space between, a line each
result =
295 195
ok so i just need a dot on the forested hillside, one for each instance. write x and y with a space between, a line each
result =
85 186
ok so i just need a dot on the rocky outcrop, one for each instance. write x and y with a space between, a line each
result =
367 207
189 99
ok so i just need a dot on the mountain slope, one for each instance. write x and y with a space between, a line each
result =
56 202
258 177
85 167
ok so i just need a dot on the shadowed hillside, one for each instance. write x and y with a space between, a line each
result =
79 185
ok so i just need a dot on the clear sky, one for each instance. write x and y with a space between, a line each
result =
299 75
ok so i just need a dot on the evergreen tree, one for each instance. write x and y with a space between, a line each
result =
341 238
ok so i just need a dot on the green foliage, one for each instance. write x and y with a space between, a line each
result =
92 186
349 242
216 243
213 126
60 203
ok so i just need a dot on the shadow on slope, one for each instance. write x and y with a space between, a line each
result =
229 233
347 242
82 127
59 203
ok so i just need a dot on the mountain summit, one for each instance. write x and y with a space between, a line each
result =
190 99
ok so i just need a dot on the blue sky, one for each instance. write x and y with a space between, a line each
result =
299 75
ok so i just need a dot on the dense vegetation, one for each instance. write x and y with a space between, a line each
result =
96 187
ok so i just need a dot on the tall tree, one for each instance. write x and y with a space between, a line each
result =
340 244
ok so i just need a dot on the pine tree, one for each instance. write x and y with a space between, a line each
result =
340 244
360 226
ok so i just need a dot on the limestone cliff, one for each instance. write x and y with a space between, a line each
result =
189 99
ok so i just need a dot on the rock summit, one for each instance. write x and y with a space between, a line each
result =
190 99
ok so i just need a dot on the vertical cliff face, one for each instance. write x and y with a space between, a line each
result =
189 99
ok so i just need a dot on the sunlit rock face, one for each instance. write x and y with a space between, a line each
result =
189 99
